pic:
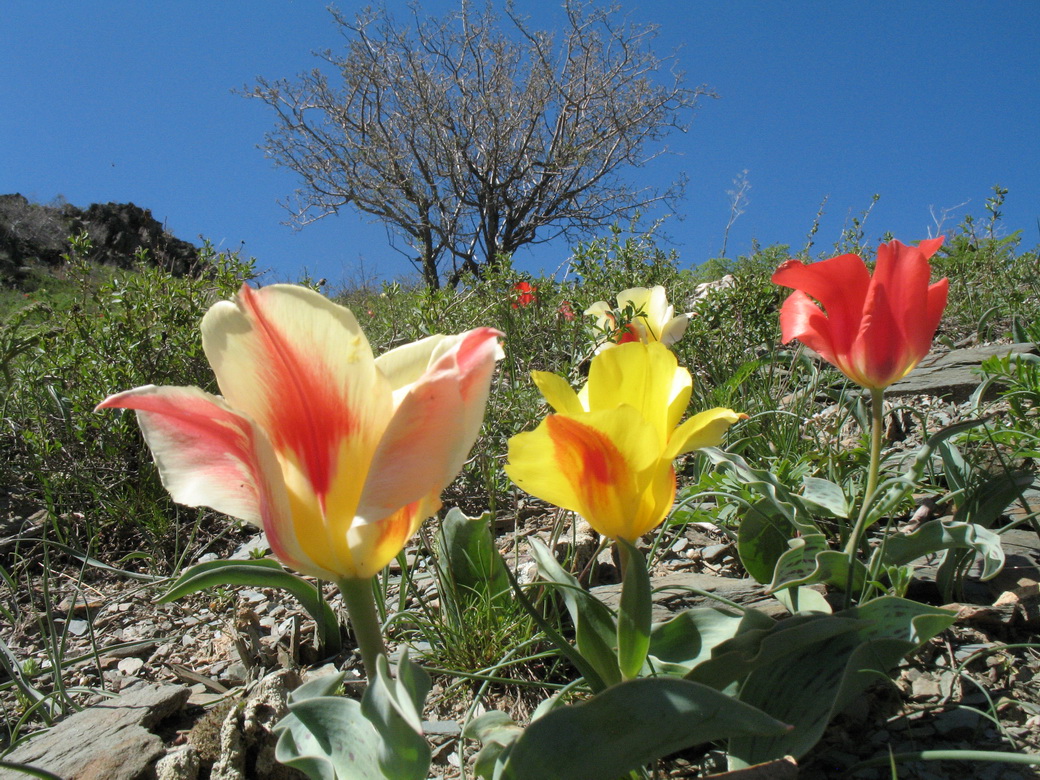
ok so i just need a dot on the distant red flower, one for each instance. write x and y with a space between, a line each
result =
565 310
872 328
525 294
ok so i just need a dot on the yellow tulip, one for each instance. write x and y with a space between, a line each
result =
607 452
655 319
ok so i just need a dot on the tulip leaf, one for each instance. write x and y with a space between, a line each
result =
634 612
824 497
810 560
394 708
937 535
379 738
789 505
762 539
679 644
328 738
986 502
261 573
912 477
807 688
466 548
496 732
758 647
595 630
802 599
627 726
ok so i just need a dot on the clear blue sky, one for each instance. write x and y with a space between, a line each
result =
926 103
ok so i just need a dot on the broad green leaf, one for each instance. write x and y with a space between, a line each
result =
763 648
634 613
824 497
809 687
912 477
394 708
937 535
629 725
466 547
810 560
261 573
328 738
679 644
762 539
496 733
802 599
789 505
594 627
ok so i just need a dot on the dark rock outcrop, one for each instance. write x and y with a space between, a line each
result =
35 234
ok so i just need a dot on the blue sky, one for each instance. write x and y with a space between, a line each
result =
928 104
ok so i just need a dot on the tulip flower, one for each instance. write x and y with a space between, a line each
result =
339 456
525 294
607 451
872 328
652 318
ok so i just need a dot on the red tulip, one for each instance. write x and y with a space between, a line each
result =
874 329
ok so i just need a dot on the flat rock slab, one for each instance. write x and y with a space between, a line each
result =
678 591
953 374
109 741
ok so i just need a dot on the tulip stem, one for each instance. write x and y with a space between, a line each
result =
877 427
361 608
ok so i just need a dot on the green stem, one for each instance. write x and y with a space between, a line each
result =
361 608
876 429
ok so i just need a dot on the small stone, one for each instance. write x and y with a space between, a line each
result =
130 666
924 688
714 551
179 764
77 627
959 723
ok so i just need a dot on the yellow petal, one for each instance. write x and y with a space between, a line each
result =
645 376
705 429
598 464
374 545
557 392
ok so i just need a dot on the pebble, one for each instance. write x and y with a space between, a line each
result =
130 666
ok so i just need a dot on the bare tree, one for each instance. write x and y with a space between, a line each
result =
469 140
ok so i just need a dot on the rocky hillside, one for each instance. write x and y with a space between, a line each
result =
32 234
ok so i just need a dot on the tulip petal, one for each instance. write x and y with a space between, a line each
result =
211 455
374 545
301 368
899 317
802 319
645 376
601 465
704 429
404 365
674 329
840 286
558 393
433 429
